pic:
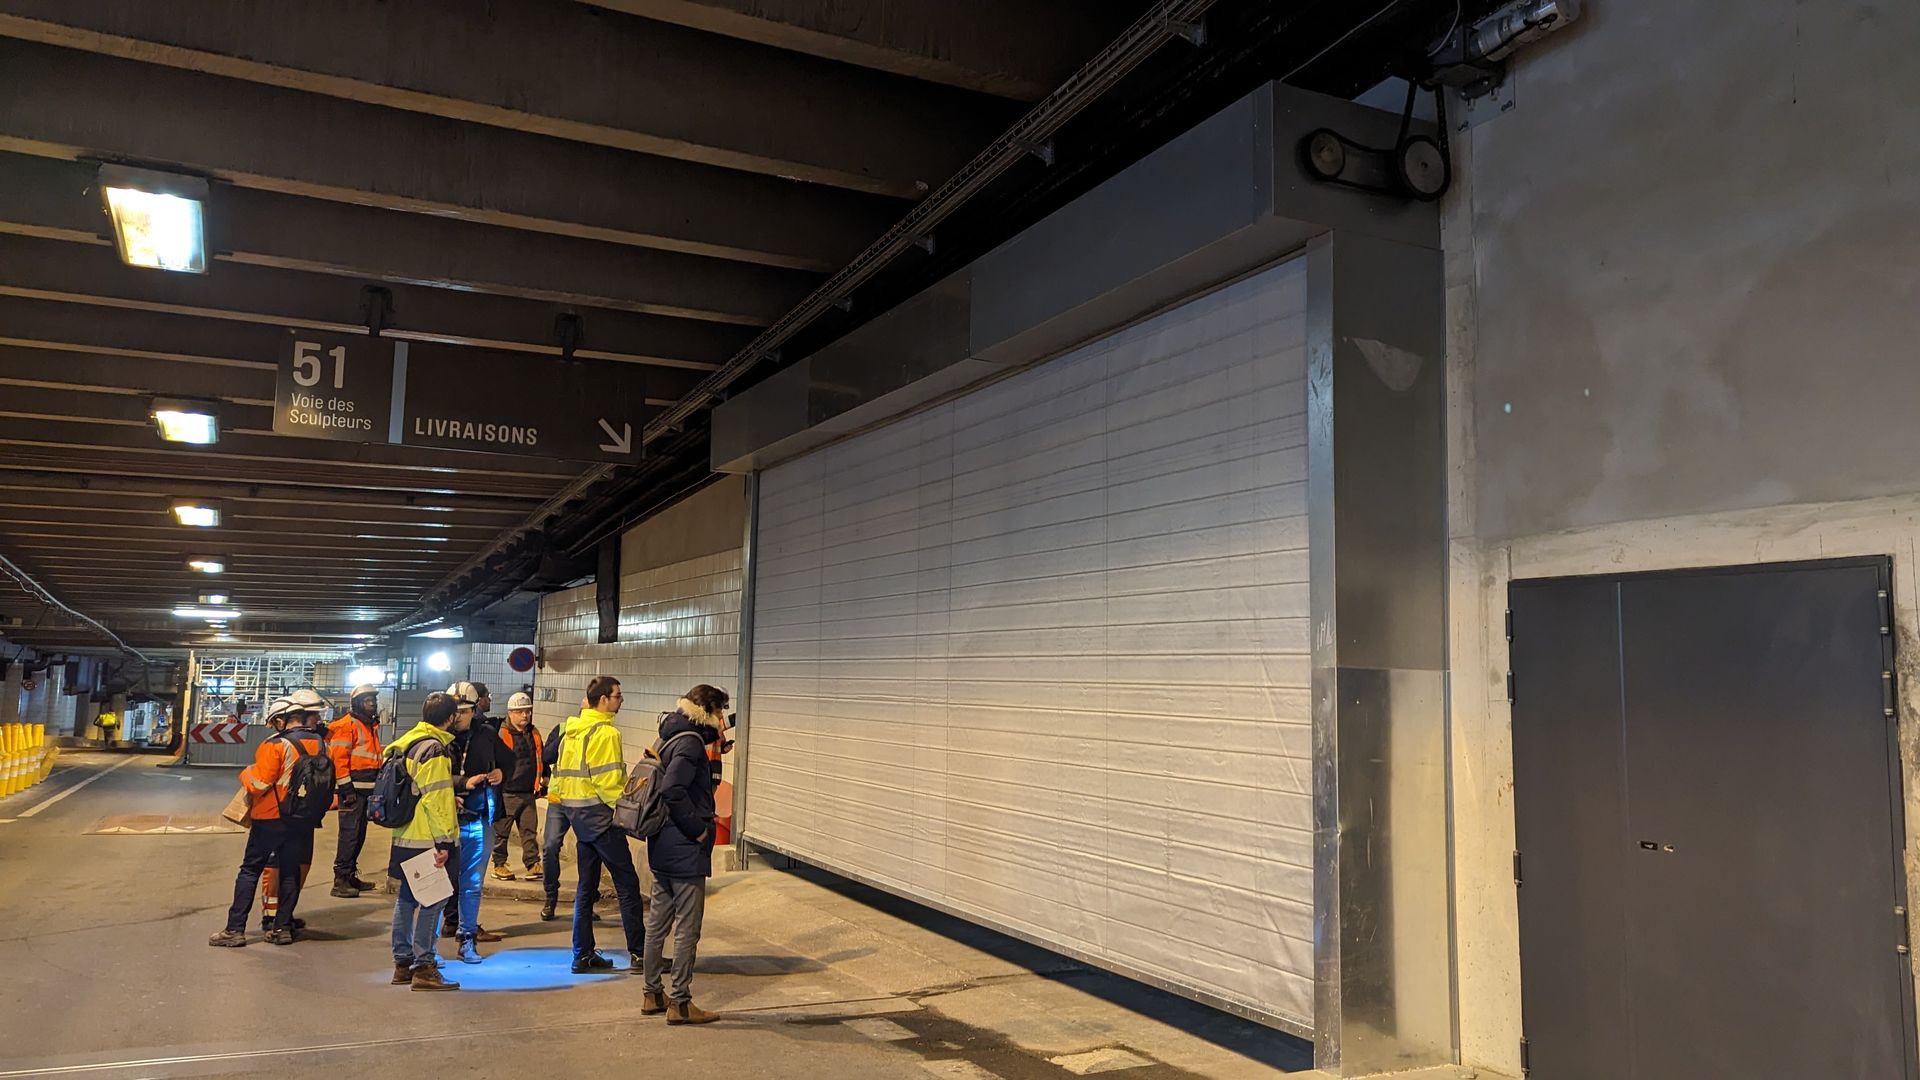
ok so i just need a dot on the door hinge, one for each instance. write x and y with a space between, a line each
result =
1517 876
1886 693
1526 1057
1905 943
1510 623
1509 687
1886 613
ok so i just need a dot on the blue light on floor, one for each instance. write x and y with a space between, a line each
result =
527 969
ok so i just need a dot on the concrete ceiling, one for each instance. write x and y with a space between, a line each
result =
676 173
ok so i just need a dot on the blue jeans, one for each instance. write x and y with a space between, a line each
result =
550 855
416 928
466 866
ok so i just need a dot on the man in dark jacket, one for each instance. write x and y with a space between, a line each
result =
522 789
681 856
481 766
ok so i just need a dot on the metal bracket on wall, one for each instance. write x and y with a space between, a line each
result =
1526 1058
1886 694
1509 687
1886 613
1518 878
1465 113
1904 946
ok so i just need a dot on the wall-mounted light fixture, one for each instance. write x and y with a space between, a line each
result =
158 217
196 423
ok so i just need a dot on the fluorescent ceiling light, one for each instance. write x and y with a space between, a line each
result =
158 221
207 566
215 598
439 662
188 611
445 632
198 515
192 422
368 674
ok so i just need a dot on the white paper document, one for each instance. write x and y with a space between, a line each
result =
430 883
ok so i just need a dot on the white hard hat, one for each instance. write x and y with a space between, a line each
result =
465 694
363 690
521 700
303 700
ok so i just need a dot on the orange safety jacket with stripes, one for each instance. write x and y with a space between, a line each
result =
354 746
267 778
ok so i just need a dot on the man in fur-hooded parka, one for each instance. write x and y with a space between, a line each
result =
684 847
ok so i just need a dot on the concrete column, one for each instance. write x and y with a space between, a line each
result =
10 692
1377 544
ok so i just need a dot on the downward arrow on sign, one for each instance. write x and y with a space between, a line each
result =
622 440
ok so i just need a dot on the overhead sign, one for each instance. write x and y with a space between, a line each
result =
334 386
377 390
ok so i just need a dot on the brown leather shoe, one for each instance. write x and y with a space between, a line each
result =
484 934
428 977
686 1012
652 1003
402 974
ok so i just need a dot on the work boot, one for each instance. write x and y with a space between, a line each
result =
229 939
266 926
501 873
652 1003
280 937
481 933
449 927
363 886
402 974
428 977
686 1012
468 954
592 964
546 909
345 890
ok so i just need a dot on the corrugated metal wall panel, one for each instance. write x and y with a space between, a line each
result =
1039 654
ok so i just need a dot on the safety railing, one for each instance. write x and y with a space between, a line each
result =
26 757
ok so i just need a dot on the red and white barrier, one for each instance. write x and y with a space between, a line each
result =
222 732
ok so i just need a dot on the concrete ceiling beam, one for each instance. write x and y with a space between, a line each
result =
1018 49
73 105
56 199
562 71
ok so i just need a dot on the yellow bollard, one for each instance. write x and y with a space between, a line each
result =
49 755
10 759
15 758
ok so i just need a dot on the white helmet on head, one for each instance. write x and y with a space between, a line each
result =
521 700
364 690
286 706
465 693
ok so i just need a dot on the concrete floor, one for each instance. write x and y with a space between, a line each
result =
107 972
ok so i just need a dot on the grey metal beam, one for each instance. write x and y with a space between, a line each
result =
330 517
27 366
56 199
237 448
160 524
65 104
1018 49
569 72
39 268
30 537
271 498
186 467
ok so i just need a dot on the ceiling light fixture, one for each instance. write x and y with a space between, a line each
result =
439 662
199 515
194 422
207 566
158 219
214 598
211 614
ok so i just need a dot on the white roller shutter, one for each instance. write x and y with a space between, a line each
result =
1039 655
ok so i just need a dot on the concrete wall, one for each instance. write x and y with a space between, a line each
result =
1683 301
680 580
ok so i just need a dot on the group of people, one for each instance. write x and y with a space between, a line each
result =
475 781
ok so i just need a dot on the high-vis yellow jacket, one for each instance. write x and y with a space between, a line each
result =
433 822
592 768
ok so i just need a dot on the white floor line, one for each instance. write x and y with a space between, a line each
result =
32 810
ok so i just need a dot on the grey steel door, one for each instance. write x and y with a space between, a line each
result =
1709 822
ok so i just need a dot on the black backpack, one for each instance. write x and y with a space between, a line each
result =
641 813
395 796
309 791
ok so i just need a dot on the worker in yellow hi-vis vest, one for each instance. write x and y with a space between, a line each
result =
109 724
